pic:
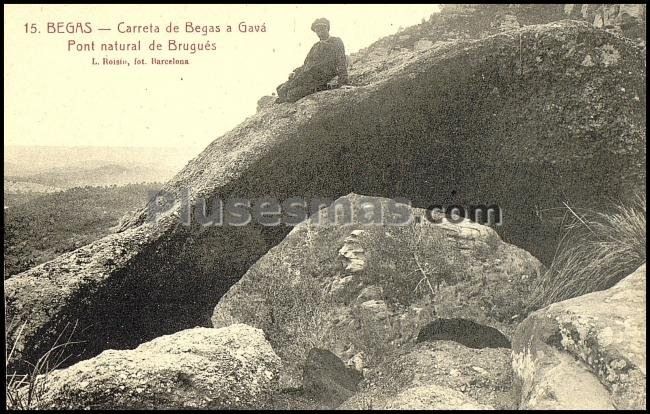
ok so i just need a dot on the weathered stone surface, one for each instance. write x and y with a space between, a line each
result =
326 379
519 107
586 352
232 367
425 397
553 380
436 375
360 290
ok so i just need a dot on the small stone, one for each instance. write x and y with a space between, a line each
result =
480 370
618 364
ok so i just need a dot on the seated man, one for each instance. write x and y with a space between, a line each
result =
325 60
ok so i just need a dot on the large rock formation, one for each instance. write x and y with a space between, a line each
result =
360 290
524 119
586 352
227 368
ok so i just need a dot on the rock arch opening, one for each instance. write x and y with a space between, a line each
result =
465 332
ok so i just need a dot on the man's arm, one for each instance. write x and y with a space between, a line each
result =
307 63
341 63
311 57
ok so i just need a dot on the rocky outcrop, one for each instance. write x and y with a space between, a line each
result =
586 352
227 368
360 290
538 113
624 19
477 21
480 20
438 375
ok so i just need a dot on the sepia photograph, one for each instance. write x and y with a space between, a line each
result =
325 207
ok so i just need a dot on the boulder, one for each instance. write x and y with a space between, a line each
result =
206 368
360 290
585 352
437 375
326 379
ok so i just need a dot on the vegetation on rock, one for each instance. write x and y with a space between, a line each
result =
597 251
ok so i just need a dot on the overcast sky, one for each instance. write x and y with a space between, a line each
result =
56 97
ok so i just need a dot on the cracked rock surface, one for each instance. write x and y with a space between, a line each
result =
589 350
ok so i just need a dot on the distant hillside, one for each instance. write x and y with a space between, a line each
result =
15 186
47 169
40 227
103 175
35 159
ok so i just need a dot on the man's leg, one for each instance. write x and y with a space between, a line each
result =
294 79
307 83
298 92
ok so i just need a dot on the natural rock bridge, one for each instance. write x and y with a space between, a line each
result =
517 119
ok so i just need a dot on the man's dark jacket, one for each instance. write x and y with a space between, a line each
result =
325 60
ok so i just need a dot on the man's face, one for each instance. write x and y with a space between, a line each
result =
322 31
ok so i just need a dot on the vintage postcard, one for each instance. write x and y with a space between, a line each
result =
325 206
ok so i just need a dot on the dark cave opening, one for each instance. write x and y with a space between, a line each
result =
465 332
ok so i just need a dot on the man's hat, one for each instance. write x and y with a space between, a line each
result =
320 22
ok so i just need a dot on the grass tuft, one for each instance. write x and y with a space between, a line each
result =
597 251
24 391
